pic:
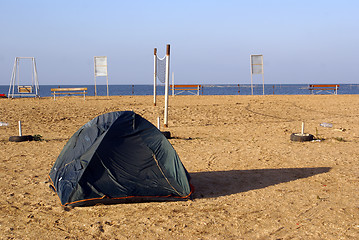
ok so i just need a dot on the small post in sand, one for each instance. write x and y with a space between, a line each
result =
20 132
302 128
301 137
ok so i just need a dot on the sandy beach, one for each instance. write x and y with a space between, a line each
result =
251 181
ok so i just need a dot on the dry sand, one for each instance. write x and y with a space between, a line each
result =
251 181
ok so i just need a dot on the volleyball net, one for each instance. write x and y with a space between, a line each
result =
161 69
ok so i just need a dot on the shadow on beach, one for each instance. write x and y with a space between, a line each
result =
223 183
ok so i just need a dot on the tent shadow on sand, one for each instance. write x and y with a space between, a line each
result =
223 183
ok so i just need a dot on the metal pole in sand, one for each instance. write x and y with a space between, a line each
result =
154 76
108 93
262 74
302 128
167 83
95 75
173 83
12 81
20 132
250 60
158 123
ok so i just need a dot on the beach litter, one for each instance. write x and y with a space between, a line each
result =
328 125
340 129
3 124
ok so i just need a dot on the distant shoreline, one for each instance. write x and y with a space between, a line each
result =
207 89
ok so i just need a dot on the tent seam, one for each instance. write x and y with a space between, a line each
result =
157 163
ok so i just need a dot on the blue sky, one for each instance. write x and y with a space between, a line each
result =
308 41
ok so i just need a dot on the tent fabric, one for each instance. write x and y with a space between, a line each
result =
118 155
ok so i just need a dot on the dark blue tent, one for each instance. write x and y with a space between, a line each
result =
117 156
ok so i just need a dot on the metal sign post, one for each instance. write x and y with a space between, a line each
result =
101 70
256 62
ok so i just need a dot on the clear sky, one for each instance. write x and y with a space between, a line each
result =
306 41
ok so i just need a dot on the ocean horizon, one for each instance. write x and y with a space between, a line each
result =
207 89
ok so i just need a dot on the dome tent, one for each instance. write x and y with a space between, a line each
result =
116 156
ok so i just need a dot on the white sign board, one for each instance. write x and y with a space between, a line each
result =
256 68
100 66
257 64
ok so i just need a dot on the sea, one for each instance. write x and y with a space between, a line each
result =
207 89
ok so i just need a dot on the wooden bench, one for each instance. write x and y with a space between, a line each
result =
324 87
192 89
68 91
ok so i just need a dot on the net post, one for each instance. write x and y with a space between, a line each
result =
94 69
166 85
154 76
250 61
173 83
36 83
168 50
108 94
262 74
